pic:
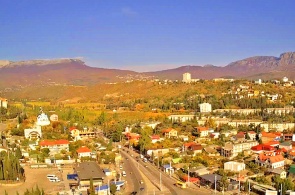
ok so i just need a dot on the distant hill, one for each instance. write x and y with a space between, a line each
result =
55 72
75 72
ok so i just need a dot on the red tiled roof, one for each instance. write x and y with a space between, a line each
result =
191 179
72 128
167 130
273 143
263 147
189 144
271 135
277 158
83 149
155 137
53 142
202 128
251 132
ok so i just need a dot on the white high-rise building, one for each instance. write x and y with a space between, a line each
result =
205 107
186 77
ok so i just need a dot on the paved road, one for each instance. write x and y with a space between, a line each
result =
133 179
167 182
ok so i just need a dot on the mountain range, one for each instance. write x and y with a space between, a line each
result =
76 72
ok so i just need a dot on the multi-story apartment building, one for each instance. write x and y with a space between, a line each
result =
232 149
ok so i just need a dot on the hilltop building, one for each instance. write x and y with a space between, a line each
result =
205 107
187 78
3 103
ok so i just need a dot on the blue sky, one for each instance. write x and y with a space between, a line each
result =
146 35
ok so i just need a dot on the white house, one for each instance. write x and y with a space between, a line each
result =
34 133
234 166
84 151
55 146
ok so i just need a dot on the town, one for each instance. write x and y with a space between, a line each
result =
237 142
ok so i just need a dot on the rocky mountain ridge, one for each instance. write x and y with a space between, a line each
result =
76 72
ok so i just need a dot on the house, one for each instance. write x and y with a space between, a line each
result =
87 171
211 151
155 138
168 133
270 161
210 180
84 151
168 168
241 136
232 149
198 171
33 133
267 137
263 148
183 138
234 166
215 135
287 145
287 137
278 171
194 147
133 137
252 135
55 146
203 131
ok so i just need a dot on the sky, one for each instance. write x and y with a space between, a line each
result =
146 35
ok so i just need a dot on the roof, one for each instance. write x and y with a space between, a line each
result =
270 135
292 169
273 143
167 130
83 149
276 170
191 179
72 128
167 166
251 132
211 177
188 144
277 158
272 159
102 188
155 137
286 144
87 170
202 128
53 142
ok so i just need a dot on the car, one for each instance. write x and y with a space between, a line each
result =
141 181
49 176
121 167
127 159
141 189
54 179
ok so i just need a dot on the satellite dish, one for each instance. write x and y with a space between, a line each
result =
43 120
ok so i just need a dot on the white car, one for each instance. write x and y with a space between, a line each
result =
54 179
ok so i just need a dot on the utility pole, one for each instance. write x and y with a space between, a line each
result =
215 184
281 188
249 188
160 181
188 176
170 169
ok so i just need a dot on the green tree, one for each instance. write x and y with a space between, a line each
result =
145 139
113 188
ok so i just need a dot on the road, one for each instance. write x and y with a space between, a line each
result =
133 175
153 174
